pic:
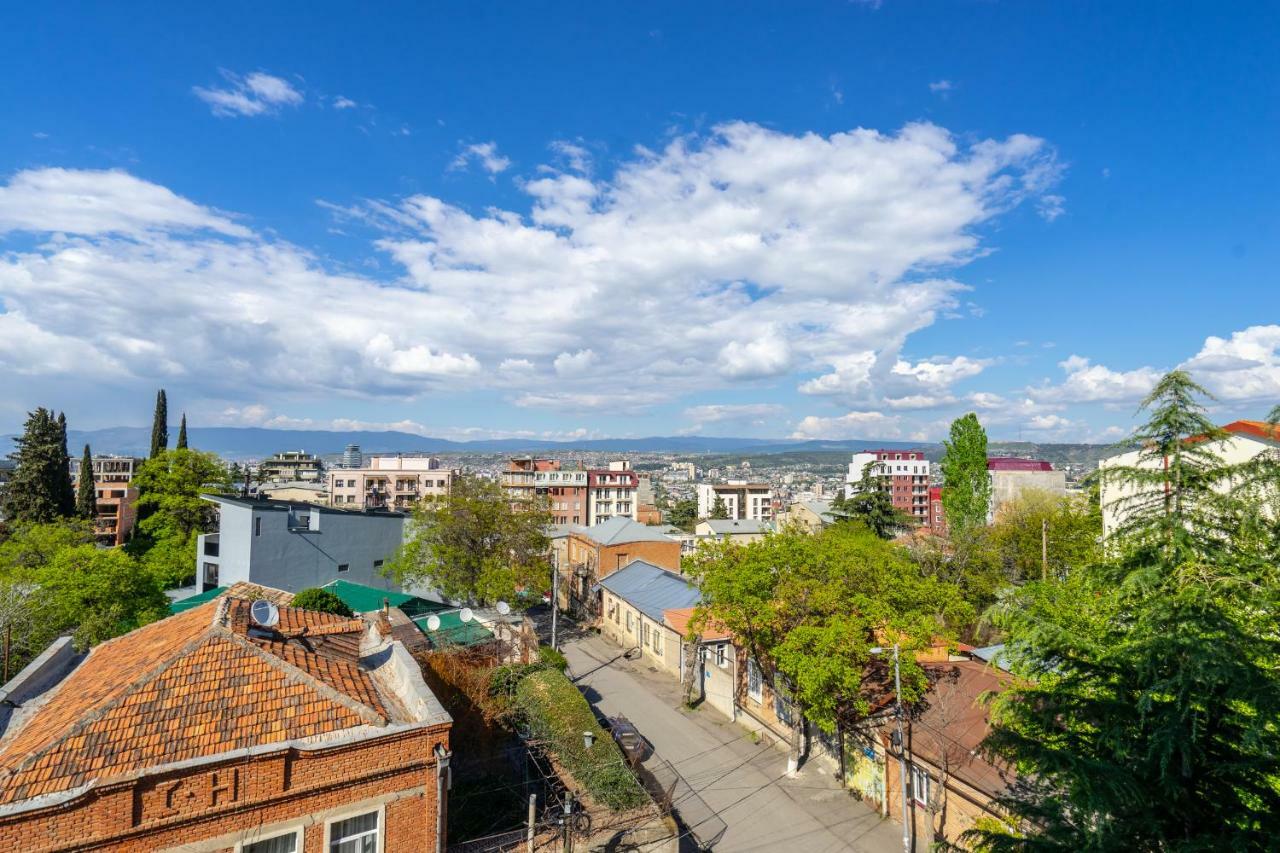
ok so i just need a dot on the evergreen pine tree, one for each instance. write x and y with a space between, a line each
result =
1145 714
719 510
86 496
35 489
66 492
160 425
182 433
966 498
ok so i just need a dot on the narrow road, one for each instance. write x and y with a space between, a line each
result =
742 782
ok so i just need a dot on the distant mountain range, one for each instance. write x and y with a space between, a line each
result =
257 442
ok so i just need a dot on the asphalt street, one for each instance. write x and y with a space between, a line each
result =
738 781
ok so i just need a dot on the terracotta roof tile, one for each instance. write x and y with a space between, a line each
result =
193 685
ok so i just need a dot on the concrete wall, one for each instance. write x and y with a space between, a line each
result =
1007 486
296 559
662 648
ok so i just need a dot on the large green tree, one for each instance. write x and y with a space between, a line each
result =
683 514
1145 715
182 433
169 488
966 493
86 494
160 425
475 545
719 509
66 492
39 488
1042 534
809 608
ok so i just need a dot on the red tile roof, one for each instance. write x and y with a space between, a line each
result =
191 686
678 620
1255 429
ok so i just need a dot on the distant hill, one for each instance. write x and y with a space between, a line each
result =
258 442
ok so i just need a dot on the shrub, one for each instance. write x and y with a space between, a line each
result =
321 600
557 714
553 658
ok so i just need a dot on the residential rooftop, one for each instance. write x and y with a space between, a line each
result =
620 529
208 682
269 505
651 590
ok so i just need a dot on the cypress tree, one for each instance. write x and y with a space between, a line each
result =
66 492
34 493
182 433
86 497
160 425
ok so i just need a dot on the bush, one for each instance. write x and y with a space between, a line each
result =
553 658
557 714
321 600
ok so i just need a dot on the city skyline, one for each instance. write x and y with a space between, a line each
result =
789 230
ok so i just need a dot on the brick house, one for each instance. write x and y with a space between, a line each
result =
950 783
593 553
209 731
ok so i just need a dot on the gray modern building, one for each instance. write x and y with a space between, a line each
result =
293 546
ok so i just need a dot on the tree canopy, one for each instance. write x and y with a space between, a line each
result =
321 600
871 504
1145 714
169 488
966 493
810 608
474 545
39 490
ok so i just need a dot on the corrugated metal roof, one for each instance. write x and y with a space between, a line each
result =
723 526
651 590
623 529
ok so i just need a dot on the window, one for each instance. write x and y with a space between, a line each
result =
920 785
657 641
722 654
343 567
257 526
355 834
377 564
629 621
287 843
645 633
755 684
210 574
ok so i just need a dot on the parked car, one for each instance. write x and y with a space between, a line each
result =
629 739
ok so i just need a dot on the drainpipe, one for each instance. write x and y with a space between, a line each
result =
442 795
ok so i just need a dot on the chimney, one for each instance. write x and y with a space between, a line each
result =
313 519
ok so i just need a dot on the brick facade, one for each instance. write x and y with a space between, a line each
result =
214 806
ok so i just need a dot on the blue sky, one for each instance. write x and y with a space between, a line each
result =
848 220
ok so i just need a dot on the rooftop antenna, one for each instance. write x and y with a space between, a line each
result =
264 613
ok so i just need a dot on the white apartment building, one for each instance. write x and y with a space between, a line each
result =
389 482
1245 441
742 500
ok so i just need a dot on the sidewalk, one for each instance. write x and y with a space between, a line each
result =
742 781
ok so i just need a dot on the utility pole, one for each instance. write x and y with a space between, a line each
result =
902 751
1044 549
533 817
555 599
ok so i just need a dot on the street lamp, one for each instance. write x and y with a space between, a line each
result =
902 743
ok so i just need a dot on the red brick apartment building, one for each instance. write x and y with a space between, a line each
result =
210 731
116 497
903 473
585 496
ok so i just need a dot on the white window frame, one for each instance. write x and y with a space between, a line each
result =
753 669
722 655
657 640
920 780
298 831
381 809
629 628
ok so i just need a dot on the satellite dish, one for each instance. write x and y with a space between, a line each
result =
466 615
264 613
503 608
433 622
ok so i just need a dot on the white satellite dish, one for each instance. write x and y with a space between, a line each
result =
264 613
503 608
433 622
466 615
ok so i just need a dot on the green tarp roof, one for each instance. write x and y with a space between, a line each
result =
452 632
196 600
